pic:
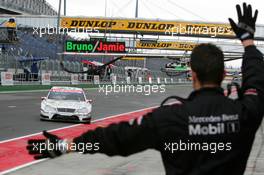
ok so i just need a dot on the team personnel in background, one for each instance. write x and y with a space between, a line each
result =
205 134
11 29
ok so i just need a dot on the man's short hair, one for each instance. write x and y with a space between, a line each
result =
207 60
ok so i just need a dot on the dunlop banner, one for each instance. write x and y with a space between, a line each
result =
147 26
133 58
188 46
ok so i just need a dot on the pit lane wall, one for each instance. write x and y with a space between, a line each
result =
12 82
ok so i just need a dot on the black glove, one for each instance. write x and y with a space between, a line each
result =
246 26
52 147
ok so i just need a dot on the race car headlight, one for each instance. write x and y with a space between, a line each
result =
48 108
83 110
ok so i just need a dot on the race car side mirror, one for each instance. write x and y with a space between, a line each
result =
89 101
43 98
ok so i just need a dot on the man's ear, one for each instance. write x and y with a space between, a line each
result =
194 76
195 81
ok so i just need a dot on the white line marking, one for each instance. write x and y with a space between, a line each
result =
30 135
124 113
37 161
11 106
22 166
23 91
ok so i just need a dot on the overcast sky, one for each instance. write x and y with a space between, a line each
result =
194 10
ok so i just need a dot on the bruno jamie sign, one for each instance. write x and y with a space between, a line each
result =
93 46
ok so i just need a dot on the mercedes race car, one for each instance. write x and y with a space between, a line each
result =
66 104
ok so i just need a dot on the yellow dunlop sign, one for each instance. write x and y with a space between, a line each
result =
148 26
133 58
166 45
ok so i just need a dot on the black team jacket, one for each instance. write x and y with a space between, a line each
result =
208 134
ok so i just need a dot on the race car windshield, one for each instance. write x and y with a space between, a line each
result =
66 96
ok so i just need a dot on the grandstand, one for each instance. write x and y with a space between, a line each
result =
26 7
30 53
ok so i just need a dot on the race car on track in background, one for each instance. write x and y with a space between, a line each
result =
176 68
66 104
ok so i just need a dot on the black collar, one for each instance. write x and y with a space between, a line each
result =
206 91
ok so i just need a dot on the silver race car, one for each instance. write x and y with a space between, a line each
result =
66 104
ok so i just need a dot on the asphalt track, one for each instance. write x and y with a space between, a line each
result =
20 116
19 112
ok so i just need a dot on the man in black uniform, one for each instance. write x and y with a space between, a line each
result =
205 134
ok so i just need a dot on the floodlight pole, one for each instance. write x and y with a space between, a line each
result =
136 13
135 36
105 8
58 28
64 8
59 15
